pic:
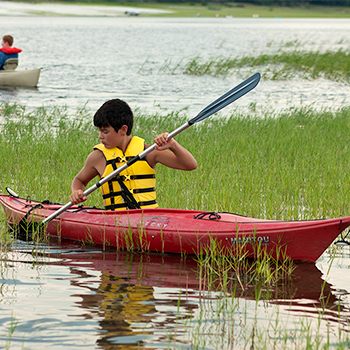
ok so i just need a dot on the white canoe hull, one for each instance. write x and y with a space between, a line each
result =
28 78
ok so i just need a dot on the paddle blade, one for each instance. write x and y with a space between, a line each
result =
28 230
229 97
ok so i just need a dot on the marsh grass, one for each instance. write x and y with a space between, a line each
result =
281 65
290 166
232 318
11 330
43 149
226 271
241 307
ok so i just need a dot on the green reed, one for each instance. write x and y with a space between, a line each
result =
291 166
43 150
229 271
232 318
240 308
294 165
282 65
11 330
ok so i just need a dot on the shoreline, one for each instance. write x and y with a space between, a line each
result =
10 8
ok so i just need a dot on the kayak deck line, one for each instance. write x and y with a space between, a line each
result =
182 231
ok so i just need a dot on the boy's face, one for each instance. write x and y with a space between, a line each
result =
109 137
5 43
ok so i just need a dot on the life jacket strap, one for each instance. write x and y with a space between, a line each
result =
123 159
124 205
136 177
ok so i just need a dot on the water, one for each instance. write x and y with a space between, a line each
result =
87 61
71 297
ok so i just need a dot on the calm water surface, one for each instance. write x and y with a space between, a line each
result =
72 297
90 60
66 297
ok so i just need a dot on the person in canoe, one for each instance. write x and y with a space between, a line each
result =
7 51
134 187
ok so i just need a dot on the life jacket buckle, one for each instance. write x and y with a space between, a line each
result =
125 177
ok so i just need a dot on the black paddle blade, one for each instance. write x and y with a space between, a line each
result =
28 230
229 97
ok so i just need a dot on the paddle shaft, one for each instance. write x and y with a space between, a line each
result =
212 108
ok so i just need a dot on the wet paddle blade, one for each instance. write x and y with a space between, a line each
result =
229 97
27 230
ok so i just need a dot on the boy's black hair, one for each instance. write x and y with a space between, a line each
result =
115 113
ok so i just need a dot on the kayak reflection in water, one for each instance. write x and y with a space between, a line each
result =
134 187
148 299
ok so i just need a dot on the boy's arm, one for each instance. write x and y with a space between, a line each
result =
179 157
85 175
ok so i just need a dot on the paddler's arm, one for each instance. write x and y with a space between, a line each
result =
85 175
179 157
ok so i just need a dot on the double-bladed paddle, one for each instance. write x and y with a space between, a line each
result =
214 107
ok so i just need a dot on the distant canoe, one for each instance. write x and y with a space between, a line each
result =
132 13
26 78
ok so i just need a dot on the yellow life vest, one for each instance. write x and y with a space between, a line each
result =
137 181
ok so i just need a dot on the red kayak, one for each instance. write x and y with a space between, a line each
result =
182 231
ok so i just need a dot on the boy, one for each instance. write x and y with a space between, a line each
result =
135 186
7 51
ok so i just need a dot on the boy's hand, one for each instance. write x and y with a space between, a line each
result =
77 197
162 142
